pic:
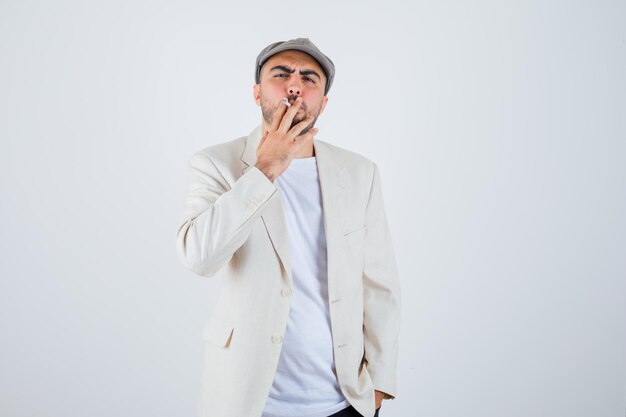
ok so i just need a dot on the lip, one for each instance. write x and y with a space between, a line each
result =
290 102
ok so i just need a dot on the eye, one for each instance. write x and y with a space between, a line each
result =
310 79
279 75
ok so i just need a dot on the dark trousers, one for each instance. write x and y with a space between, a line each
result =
350 412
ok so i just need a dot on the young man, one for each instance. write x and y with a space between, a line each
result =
307 320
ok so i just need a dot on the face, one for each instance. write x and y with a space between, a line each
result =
291 74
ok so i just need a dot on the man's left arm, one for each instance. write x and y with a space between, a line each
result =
381 295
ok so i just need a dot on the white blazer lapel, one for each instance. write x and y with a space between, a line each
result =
334 204
273 216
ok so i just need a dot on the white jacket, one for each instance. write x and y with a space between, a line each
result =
233 226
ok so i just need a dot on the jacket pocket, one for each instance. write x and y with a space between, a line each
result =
218 332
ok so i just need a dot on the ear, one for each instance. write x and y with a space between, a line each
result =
256 93
324 101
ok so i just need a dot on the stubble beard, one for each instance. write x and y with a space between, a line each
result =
268 111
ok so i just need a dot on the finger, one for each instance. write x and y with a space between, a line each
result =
307 137
289 115
295 131
277 117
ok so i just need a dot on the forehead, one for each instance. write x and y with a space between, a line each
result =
293 59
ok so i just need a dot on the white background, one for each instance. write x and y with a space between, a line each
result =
499 129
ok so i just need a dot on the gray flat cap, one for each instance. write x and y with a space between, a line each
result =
299 44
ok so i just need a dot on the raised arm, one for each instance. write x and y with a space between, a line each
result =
217 219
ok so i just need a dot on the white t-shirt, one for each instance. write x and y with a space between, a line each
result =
305 384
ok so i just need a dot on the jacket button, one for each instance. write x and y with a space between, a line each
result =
276 338
285 292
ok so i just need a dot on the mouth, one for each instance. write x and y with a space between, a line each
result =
292 99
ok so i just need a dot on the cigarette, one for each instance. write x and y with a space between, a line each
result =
286 102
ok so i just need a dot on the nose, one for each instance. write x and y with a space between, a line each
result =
294 88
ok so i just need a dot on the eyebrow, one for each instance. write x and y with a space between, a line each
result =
291 71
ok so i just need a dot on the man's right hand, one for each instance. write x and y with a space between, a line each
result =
279 144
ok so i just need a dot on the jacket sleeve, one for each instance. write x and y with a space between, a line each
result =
381 295
216 218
